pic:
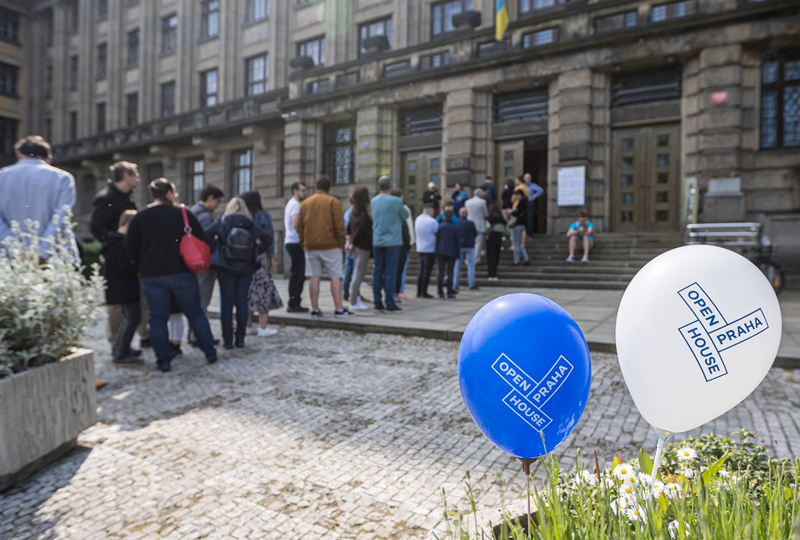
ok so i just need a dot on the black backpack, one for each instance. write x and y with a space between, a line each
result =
238 245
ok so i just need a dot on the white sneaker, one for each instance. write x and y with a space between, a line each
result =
251 331
358 306
570 259
585 258
266 332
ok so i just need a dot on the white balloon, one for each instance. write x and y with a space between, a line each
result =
698 329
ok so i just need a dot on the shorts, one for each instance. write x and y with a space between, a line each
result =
591 240
329 259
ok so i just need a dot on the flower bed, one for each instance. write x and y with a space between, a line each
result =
708 487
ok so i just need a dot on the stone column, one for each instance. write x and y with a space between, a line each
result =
375 128
301 153
465 141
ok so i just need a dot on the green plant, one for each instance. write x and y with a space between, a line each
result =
714 502
44 309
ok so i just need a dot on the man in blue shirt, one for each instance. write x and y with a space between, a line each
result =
460 196
388 214
447 251
580 231
466 241
449 205
534 192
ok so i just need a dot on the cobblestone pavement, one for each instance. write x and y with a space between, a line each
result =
314 434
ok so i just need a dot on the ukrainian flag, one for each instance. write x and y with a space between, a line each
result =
501 20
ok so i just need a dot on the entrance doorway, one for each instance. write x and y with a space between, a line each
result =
514 158
419 168
645 183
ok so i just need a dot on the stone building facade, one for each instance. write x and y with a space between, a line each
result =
641 98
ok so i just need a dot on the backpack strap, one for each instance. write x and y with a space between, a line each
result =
186 228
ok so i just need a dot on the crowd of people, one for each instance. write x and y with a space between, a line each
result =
151 290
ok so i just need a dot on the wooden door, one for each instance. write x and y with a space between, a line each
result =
509 163
420 168
645 186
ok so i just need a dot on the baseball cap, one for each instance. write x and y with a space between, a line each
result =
431 184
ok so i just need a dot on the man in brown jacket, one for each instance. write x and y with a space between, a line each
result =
320 227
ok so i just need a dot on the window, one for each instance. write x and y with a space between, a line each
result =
421 121
197 178
102 53
208 88
9 25
73 72
101 118
242 171
132 109
442 16
8 79
257 75
102 9
376 28
780 100
397 69
8 136
257 10
644 86
542 37
154 171
74 17
435 60
315 48
169 34
521 106
527 7
209 19
73 126
673 10
48 82
339 153
628 19
167 99
133 48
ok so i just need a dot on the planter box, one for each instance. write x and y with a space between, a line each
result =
42 411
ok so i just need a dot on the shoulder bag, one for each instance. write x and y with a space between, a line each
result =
196 253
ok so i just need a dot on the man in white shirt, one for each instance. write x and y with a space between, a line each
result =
297 272
425 228
477 212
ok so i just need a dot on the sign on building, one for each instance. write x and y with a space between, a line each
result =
572 186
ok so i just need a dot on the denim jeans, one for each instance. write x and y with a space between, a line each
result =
349 266
233 287
516 240
469 254
184 288
384 274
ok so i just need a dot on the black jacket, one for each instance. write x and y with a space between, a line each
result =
447 240
122 283
217 232
431 197
107 206
466 233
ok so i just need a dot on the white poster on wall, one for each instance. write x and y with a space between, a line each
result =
571 186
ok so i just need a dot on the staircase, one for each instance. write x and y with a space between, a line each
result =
615 259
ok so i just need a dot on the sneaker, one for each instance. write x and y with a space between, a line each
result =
343 314
228 346
175 350
266 332
380 308
251 331
570 259
144 342
162 368
585 258
239 344
134 352
212 360
527 263
359 306
451 297
128 361
475 288
426 295
296 309
403 297
316 313
394 310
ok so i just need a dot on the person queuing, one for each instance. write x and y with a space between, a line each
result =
122 291
447 251
349 257
425 229
449 205
477 212
263 295
152 242
508 192
359 243
235 238
388 217
433 197
323 244
494 240
402 268
534 192
467 232
204 210
516 223
460 196
489 190
297 271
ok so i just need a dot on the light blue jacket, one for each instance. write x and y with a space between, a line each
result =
32 189
388 215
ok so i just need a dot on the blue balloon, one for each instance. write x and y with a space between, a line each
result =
525 372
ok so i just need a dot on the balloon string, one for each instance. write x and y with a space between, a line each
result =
663 436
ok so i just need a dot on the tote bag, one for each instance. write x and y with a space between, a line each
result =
196 253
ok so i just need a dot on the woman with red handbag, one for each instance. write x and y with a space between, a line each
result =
160 238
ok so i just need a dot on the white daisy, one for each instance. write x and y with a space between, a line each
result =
622 470
672 491
630 479
644 478
627 490
724 473
621 504
658 488
686 453
635 513
587 477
